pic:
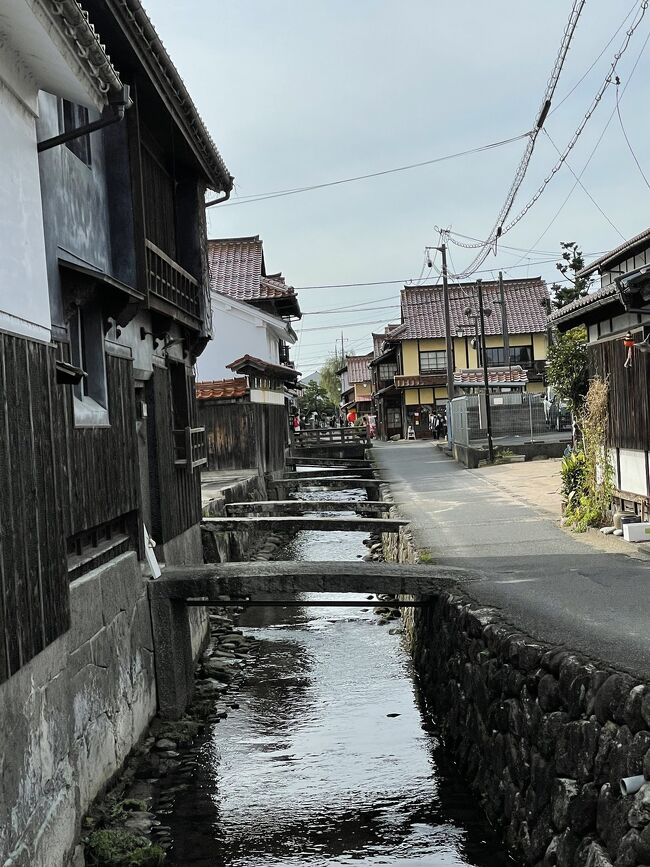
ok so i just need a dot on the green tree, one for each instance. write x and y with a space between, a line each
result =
329 379
576 287
567 367
315 399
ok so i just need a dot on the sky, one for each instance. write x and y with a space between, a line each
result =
303 92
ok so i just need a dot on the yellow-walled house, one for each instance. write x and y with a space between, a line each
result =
415 350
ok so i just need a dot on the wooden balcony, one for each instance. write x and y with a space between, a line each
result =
190 449
172 285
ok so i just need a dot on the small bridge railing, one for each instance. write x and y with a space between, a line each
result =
335 435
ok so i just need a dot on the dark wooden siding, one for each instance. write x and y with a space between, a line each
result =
102 476
175 493
34 602
159 204
629 393
244 435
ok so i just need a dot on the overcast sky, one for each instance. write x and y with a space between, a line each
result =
301 92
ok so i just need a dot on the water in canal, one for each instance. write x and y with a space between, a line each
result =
330 758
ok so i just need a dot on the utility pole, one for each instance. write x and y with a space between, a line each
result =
504 320
449 342
488 415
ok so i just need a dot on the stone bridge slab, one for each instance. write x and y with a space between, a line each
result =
295 523
170 594
299 507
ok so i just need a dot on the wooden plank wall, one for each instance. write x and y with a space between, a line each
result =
629 393
101 463
179 506
244 435
34 601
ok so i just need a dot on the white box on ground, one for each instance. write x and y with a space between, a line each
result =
636 532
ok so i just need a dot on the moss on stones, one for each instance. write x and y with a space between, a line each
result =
117 848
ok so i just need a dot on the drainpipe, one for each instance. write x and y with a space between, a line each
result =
218 201
631 785
113 113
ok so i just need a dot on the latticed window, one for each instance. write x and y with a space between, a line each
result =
433 362
387 371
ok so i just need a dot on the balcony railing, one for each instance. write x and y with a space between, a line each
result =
190 449
167 280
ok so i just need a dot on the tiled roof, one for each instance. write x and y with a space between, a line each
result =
275 287
379 339
575 308
259 365
237 270
86 44
236 267
222 389
140 29
514 375
424 380
424 317
358 370
620 252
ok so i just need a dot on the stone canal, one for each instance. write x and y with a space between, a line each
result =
327 754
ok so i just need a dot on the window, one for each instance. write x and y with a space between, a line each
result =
387 371
432 362
87 352
393 417
496 357
71 117
523 355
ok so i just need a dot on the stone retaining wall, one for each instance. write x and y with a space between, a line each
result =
69 718
221 546
542 735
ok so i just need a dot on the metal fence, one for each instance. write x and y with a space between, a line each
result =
518 416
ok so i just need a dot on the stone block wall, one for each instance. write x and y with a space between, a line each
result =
231 547
542 735
69 718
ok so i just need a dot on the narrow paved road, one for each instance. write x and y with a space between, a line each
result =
547 582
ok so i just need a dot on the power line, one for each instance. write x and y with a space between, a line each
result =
594 149
522 168
582 77
500 229
584 189
263 197
625 135
410 282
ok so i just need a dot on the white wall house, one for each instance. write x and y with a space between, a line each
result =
37 55
239 329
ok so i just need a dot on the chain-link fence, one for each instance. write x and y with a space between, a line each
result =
521 416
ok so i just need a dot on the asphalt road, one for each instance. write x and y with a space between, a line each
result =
546 581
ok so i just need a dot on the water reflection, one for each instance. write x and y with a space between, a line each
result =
329 758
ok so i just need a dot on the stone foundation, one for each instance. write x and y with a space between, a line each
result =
69 718
231 547
542 735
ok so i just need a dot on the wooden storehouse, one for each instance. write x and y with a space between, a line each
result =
620 309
